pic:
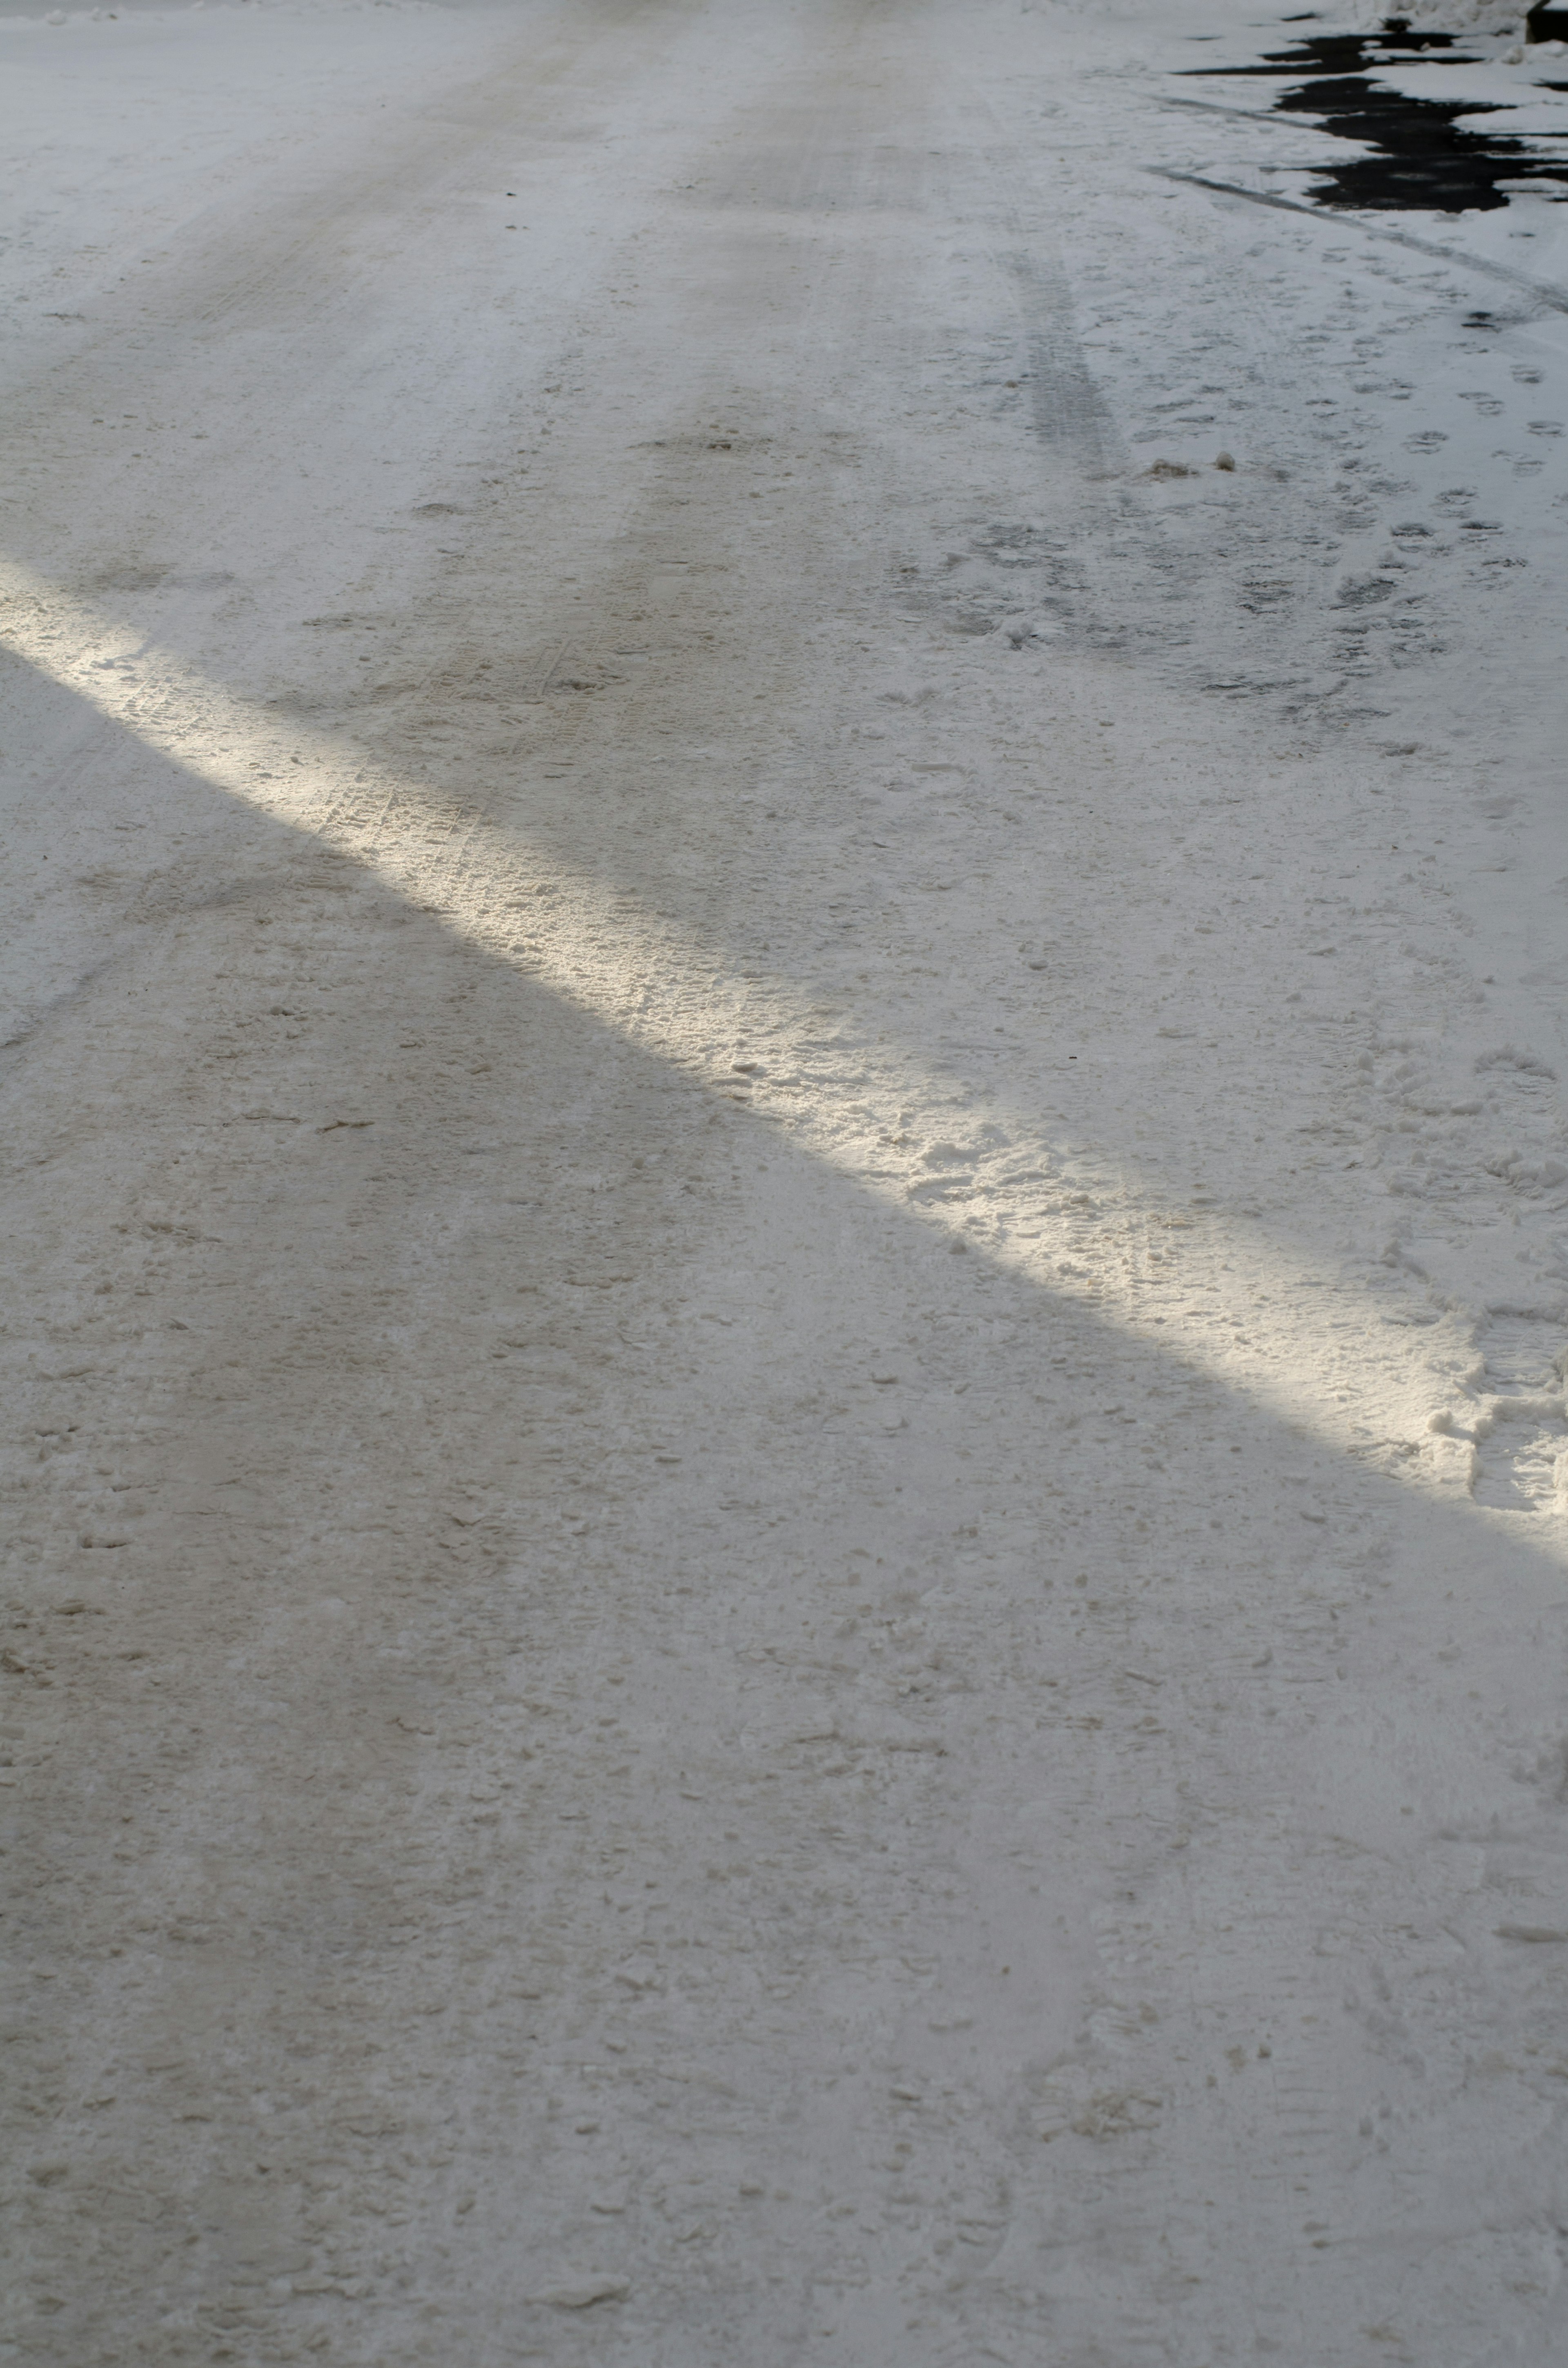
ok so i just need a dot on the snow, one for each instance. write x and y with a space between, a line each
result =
787 1470
1468 19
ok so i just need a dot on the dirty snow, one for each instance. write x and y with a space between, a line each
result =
786 1469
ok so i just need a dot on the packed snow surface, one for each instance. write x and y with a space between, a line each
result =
785 999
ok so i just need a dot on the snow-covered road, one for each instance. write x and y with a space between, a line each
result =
786 1481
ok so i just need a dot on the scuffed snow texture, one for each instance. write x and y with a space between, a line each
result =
1463 16
786 1473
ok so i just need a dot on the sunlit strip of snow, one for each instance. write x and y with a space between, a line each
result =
1209 1290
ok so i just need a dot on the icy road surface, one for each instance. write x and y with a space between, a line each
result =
786 1201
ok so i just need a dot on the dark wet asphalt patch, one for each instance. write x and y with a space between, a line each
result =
1347 53
1422 154
1425 155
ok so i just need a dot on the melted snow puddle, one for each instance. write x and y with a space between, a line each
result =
1322 1352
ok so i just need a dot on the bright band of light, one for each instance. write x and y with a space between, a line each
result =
1210 1292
